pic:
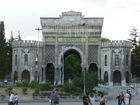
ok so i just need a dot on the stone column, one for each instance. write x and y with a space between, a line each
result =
59 75
44 75
56 80
31 75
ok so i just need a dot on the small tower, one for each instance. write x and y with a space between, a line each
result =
116 63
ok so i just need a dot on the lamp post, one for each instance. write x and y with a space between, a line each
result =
63 66
84 76
84 80
36 59
38 29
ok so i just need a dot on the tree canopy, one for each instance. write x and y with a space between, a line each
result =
5 54
135 54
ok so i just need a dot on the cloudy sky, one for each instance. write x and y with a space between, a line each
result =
120 16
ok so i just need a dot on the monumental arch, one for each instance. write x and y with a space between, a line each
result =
71 33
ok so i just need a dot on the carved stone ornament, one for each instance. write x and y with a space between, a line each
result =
26 50
117 51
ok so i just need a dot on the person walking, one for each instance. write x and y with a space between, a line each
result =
11 99
122 98
54 97
130 96
102 99
92 99
16 99
119 100
126 99
86 99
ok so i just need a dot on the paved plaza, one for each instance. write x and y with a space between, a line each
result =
135 101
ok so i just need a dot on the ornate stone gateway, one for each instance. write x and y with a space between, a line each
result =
71 33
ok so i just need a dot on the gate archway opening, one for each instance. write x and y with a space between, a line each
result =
72 64
50 72
117 77
25 75
93 67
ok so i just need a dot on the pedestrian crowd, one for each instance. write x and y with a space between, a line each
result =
13 99
91 99
124 99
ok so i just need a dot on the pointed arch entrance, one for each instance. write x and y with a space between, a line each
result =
93 67
71 61
26 75
50 72
117 77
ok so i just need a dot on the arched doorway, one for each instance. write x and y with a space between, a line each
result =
117 77
106 77
50 72
93 67
25 75
127 77
15 76
72 64
36 76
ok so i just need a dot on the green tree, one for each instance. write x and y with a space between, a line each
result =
2 50
72 67
105 39
5 54
135 54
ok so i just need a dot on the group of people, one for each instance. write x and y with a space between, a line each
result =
13 99
124 98
54 97
90 99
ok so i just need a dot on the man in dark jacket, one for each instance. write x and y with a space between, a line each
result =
86 100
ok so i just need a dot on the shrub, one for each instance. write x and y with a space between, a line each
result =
18 84
25 84
71 88
24 90
9 89
46 86
34 84
36 91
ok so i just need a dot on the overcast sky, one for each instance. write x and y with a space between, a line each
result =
120 16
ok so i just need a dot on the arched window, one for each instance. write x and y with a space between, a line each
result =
15 59
105 60
116 60
25 59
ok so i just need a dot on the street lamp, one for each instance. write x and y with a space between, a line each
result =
84 80
63 66
38 29
36 59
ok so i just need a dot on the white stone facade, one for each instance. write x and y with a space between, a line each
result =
71 33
